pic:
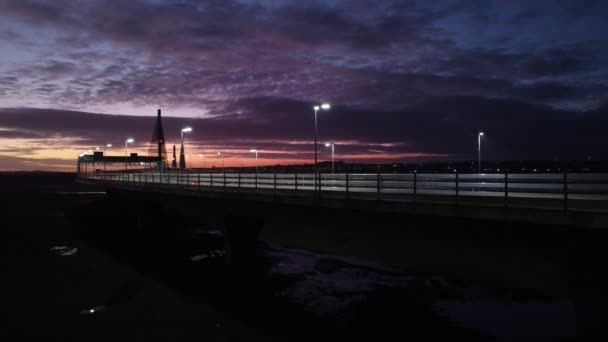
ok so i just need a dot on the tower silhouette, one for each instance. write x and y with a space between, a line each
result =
174 162
157 143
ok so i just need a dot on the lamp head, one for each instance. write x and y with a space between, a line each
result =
130 140
480 134
109 145
326 106
316 107
187 129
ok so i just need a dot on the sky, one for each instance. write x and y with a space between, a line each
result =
407 80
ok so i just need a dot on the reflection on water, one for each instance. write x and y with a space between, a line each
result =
93 310
211 254
64 250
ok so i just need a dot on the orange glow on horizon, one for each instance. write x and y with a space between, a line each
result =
58 153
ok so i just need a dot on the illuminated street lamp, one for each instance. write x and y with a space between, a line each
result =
332 145
221 155
479 151
255 150
78 163
128 141
182 157
185 130
324 106
203 158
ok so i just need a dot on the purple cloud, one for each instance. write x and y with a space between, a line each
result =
418 75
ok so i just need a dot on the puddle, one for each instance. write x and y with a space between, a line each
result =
92 311
64 250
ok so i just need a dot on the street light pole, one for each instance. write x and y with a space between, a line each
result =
332 145
128 141
479 151
182 153
203 158
222 156
324 106
315 168
254 150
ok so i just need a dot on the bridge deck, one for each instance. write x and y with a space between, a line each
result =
531 198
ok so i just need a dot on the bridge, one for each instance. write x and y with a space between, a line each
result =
573 199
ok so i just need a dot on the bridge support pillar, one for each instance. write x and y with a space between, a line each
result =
240 238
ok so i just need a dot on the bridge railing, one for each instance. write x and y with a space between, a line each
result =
567 191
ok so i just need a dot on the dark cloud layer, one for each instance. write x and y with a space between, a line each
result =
404 76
